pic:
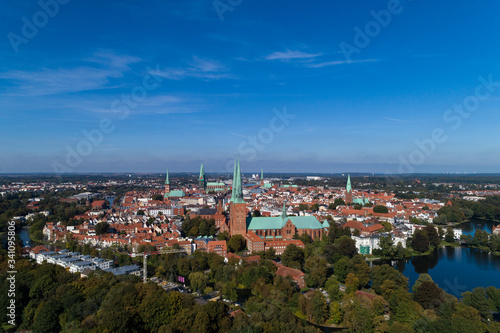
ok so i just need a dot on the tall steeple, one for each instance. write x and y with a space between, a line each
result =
237 206
283 213
202 182
237 193
261 174
234 177
202 173
167 186
348 190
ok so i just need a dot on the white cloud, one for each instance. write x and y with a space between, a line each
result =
291 55
87 76
197 68
337 62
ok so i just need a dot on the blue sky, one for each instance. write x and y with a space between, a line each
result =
214 84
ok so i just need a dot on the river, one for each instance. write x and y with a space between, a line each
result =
457 269
469 228
25 237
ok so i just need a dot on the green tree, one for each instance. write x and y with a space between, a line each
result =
158 197
480 238
400 251
387 226
478 299
303 207
293 256
316 270
383 273
380 209
317 308
432 234
346 246
223 235
336 314
429 295
45 318
101 228
450 236
421 278
201 323
236 243
332 287
420 241
387 246
198 281
351 283
230 291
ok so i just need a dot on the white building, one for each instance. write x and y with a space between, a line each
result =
80 266
366 244
102 263
41 257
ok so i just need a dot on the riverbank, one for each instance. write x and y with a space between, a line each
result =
454 268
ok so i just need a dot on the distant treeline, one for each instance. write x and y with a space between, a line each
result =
462 210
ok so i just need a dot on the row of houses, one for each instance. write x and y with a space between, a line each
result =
76 262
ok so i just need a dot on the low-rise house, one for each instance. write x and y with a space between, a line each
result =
41 257
297 275
80 266
219 247
125 270
37 250
102 263
54 259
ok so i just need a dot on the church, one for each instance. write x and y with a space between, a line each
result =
275 228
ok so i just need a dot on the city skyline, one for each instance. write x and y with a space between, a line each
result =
377 87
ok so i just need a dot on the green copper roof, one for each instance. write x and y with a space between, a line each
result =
361 201
175 193
268 185
167 181
326 224
237 194
283 213
348 188
277 222
202 172
215 184
262 174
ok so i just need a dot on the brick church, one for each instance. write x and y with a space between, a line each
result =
267 229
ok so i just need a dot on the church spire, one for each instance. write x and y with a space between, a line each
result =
237 193
348 187
283 213
234 177
202 182
202 172
261 174
167 181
